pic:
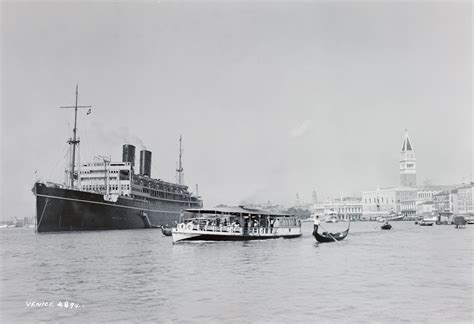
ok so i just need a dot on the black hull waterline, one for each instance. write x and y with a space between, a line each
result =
59 209
210 237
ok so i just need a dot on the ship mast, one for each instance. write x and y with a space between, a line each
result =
74 141
179 170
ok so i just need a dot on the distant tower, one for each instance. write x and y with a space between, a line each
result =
407 164
315 197
297 202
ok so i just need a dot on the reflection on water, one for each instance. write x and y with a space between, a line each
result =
411 273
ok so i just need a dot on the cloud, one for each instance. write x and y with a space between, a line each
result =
301 130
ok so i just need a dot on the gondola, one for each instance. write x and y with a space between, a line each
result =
386 226
166 231
330 237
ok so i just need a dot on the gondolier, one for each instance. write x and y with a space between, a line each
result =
327 237
316 223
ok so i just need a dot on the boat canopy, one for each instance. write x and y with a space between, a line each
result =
237 211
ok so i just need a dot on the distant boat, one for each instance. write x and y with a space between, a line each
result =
391 217
426 222
326 237
3 226
386 226
332 218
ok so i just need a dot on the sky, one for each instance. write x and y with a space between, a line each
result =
271 98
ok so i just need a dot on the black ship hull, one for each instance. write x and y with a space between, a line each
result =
59 209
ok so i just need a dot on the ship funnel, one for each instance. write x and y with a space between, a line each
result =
145 163
128 154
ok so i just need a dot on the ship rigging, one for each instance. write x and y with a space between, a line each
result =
74 141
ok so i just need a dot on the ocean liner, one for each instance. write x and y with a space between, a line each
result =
106 195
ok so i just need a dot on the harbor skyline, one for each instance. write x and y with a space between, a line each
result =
268 103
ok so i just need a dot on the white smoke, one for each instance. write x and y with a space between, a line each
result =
120 135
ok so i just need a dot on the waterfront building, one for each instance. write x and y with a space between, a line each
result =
381 202
424 200
453 201
457 200
465 199
406 201
426 193
410 200
345 208
425 209
407 164
446 202
349 208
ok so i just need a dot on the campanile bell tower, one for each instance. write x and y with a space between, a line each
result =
407 164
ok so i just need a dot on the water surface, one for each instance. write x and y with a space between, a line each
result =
408 274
